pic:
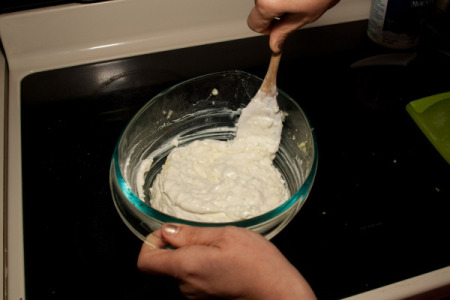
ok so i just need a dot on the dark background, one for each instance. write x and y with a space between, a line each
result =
7 6
377 213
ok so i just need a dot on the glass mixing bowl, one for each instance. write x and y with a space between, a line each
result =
206 107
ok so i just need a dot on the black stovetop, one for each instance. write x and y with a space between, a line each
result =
377 213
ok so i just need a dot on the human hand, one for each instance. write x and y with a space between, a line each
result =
226 262
290 15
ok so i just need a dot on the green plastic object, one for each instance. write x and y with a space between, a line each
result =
432 115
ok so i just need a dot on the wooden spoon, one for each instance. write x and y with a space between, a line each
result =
260 121
269 85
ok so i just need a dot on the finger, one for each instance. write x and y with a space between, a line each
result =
156 261
179 235
154 240
260 21
283 28
154 258
257 22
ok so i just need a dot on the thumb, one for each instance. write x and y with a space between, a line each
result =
179 235
154 258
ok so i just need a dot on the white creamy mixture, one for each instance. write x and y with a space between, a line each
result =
226 181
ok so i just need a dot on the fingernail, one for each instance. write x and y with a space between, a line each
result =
170 229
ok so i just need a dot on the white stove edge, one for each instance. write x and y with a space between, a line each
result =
74 34
3 75
36 41
429 286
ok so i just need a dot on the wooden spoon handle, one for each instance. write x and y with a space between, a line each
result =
269 84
